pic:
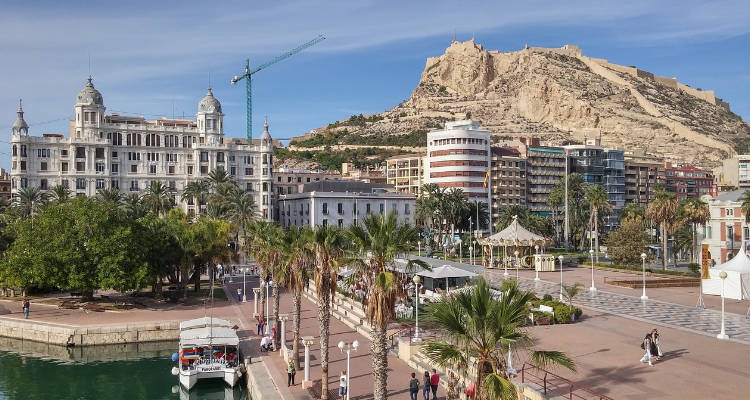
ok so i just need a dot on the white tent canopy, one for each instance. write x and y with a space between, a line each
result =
737 283
515 235
446 271
204 322
217 336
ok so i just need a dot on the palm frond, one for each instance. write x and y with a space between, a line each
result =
548 359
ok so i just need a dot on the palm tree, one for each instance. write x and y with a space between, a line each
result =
242 211
571 291
112 195
60 194
29 201
196 190
597 197
663 211
158 198
133 205
479 327
223 193
327 245
631 210
219 176
696 212
298 261
380 239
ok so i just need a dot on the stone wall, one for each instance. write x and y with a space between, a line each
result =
68 335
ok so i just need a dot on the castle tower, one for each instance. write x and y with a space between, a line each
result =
265 139
89 111
209 116
20 127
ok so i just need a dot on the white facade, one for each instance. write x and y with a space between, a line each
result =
726 229
458 157
128 153
342 208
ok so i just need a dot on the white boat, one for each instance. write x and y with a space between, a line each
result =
209 349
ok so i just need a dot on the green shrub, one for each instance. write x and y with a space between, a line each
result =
547 297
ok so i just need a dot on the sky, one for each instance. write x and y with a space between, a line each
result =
157 58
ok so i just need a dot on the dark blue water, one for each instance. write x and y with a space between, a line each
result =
50 373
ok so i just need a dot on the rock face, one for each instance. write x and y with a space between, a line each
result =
558 95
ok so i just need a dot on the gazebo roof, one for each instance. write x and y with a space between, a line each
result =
446 271
515 235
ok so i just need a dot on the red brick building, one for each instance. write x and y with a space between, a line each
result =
686 181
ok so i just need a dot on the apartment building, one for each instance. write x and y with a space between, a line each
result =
508 179
642 173
545 167
405 173
687 181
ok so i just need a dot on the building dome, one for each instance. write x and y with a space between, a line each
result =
20 126
265 138
89 95
209 104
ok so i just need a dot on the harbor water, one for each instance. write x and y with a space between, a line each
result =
36 371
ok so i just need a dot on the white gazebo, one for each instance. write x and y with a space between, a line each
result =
737 280
516 236
445 274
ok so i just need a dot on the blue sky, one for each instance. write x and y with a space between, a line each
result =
152 57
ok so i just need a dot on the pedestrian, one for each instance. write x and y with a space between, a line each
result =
655 348
291 369
434 381
452 393
413 387
257 318
239 294
342 385
26 307
262 326
426 386
646 345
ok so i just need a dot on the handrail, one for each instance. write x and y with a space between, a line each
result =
527 374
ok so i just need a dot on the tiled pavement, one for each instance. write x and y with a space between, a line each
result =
704 322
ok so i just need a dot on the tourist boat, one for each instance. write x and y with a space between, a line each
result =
209 349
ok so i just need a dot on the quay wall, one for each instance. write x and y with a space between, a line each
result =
68 335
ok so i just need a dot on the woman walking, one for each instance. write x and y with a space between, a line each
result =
342 385
426 386
291 369
26 308
646 345
413 387
655 349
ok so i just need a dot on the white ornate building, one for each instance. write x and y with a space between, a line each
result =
129 153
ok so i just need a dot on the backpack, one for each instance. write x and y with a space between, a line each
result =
642 345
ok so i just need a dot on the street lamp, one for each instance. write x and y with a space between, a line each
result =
268 298
516 254
349 347
536 259
593 287
643 262
244 297
561 281
416 281
722 334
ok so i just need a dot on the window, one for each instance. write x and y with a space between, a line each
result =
65 184
100 183
100 167
204 169
80 152
382 207
80 183
220 156
248 171
152 169
190 169
24 182
43 184
134 168
204 156
43 166
99 153
133 186
325 208
340 223
249 187
367 208
325 222
115 184
170 170
115 168
15 151
233 170
172 185
340 208
265 186
42 153
729 212
80 166
265 158
114 154
406 209
708 232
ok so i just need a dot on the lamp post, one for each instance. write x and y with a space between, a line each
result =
516 254
244 287
416 281
505 261
536 262
593 287
643 262
561 281
723 334
268 298
419 248
349 347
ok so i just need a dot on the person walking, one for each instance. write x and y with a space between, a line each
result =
26 308
342 385
291 369
413 387
646 345
655 348
239 294
426 386
434 381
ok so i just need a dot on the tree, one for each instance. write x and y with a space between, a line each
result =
328 245
626 243
219 176
376 244
630 210
59 194
110 195
533 222
133 205
197 192
696 212
471 213
478 329
578 207
663 211
597 197
570 292
158 198
29 201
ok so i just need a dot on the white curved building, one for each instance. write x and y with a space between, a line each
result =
458 156
130 152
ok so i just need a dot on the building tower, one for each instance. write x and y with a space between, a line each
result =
210 118
89 110
20 127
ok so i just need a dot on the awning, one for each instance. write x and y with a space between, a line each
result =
204 322
217 336
446 271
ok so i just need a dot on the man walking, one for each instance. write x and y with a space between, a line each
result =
434 381
26 306
239 294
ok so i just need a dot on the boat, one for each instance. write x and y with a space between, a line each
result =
209 349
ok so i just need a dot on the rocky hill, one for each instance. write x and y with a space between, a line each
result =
558 95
